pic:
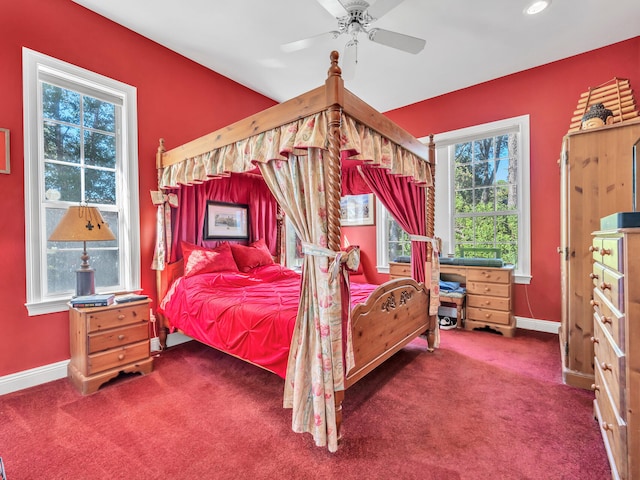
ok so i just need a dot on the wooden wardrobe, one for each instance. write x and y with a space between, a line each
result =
597 179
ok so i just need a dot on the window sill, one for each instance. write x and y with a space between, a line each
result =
47 306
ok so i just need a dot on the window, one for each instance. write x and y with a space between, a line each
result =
80 147
482 192
391 240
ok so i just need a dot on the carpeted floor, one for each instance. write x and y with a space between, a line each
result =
481 407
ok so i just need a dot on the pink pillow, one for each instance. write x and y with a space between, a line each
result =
252 256
207 260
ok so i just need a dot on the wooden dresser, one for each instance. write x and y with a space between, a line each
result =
399 270
596 171
489 301
616 340
106 341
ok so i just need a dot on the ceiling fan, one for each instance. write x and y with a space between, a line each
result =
355 17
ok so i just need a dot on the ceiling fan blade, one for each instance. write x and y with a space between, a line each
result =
306 42
380 7
334 7
349 60
400 41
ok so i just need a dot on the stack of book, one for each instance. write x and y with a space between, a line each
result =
95 300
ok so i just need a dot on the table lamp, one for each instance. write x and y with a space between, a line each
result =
83 224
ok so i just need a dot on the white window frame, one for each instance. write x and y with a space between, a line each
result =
35 66
382 237
444 185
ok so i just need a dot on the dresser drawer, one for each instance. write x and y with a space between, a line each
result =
492 275
117 357
117 337
609 318
607 251
399 270
612 288
612 427
485 301
611 362
492 289
596 273
487 315
117 317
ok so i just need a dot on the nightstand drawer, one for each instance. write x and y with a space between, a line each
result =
493 303
486 315
492 275
611 361
609 318
117 357
612 287
117 317
492 289
117 337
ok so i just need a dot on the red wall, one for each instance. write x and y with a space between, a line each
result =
180 100
177 100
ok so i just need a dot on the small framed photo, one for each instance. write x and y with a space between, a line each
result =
5 166
357 210
226 221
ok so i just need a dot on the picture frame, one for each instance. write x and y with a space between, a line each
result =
357 210
226 221
5 165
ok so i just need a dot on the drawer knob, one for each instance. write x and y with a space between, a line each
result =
594 249
121 317
594 276
606 320
487 315
487 289
607 426
606 366
605 251
595 388
594 340
120 337
594 303
121 356
605 286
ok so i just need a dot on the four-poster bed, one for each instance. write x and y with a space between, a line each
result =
298 147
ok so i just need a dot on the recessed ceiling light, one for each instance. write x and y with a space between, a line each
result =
537 7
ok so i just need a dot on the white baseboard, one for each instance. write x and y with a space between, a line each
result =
33 377
537 325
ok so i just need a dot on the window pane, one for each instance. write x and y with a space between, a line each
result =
99 149
100 186
99 115
484 200
61 270
483 174
464 229
502 146
463 153
61 143
484 230
64 179
60 104
106 265
464 201
483 149
502 171
464 176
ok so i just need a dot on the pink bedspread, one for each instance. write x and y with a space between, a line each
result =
249 315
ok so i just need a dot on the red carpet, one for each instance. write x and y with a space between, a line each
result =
481 407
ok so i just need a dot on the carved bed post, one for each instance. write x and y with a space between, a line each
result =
431 201
334 86
163 328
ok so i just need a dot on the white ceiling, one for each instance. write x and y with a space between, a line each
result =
468 41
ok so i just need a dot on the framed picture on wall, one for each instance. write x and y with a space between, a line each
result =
4 151
357 210
226 221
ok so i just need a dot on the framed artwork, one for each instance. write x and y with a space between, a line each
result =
4 151
357 210
226 220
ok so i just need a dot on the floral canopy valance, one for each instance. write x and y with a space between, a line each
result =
358 142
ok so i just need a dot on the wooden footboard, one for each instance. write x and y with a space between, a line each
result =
394 314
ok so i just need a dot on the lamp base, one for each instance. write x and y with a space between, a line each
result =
85 282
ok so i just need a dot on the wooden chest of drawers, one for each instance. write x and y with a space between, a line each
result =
399 270
489 296
616 344
106 341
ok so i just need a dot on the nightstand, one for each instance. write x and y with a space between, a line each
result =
106 341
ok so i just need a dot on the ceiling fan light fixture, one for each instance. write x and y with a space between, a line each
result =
537 7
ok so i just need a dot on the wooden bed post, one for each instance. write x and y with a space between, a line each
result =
163 328
334 86
431 201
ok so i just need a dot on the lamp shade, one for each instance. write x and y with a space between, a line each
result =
82 224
